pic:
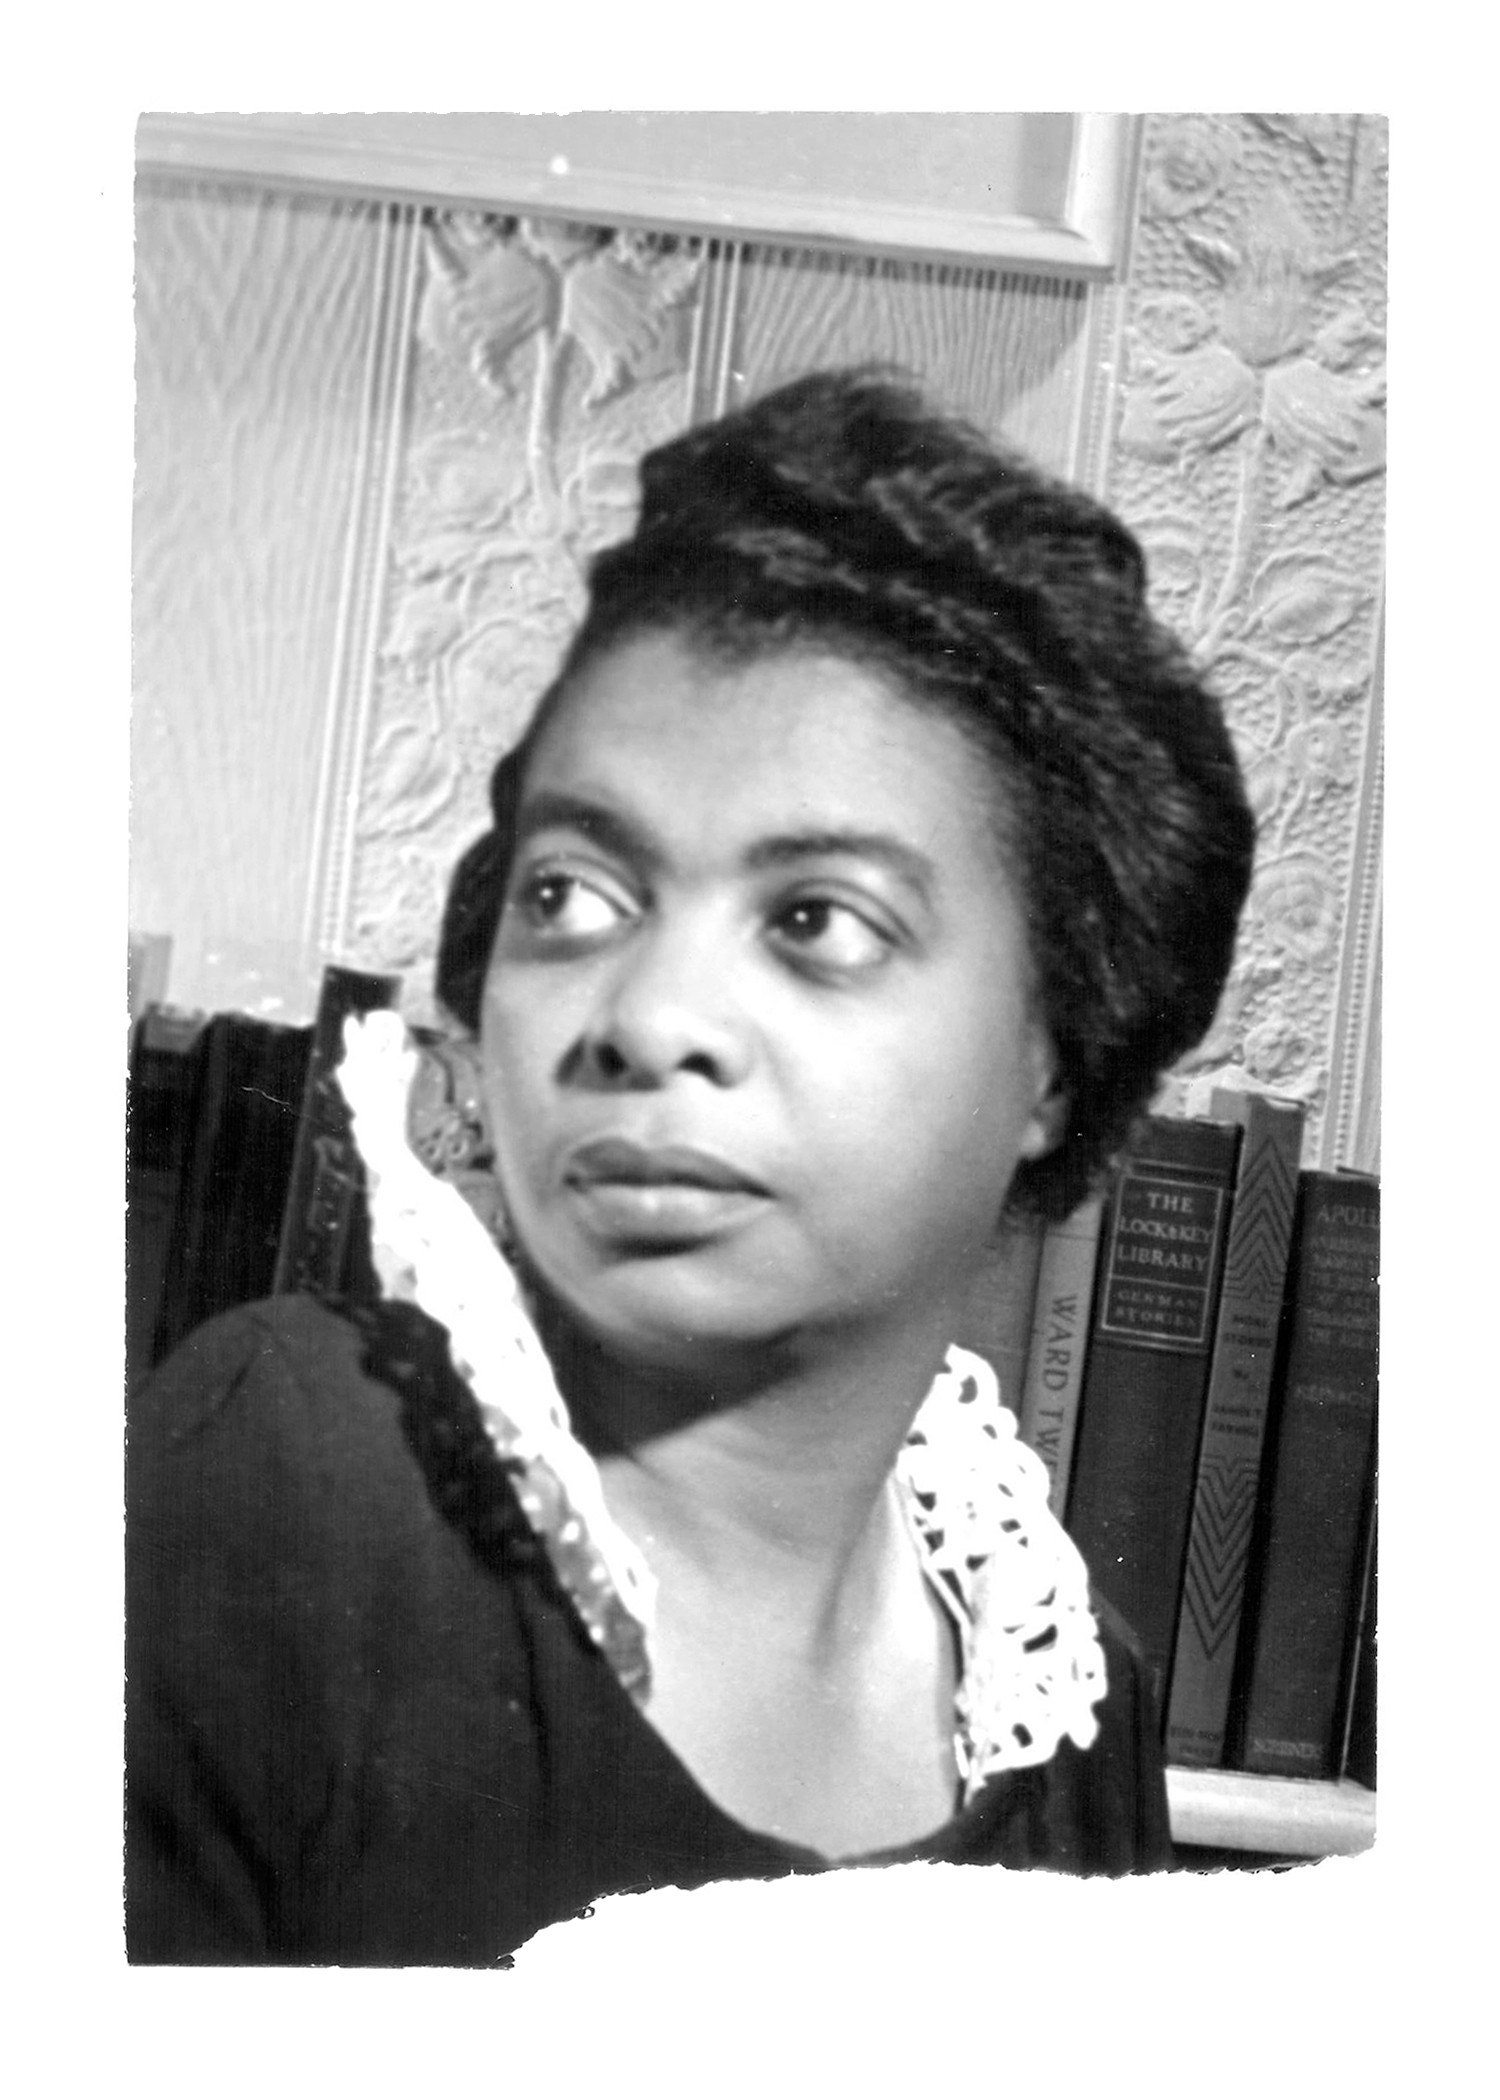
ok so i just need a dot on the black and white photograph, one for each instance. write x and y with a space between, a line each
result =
701 822
753 1139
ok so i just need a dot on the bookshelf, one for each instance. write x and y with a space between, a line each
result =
1243 1812
1211 1810
1319 1012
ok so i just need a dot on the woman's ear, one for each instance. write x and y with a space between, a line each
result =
448 1128
1049 1114
446 1120
1044 1132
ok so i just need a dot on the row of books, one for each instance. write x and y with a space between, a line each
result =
1194 1358
240 1180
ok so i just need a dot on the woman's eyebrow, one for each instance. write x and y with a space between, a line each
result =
903 859
551 810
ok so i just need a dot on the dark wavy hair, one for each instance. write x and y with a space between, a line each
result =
841 514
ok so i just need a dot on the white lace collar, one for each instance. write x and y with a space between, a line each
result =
974 1496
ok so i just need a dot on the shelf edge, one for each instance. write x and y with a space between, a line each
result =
1243 1812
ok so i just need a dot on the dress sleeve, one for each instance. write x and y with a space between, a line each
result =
249 1474
194 1879
1133 1825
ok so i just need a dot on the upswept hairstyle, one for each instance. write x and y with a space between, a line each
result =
841 514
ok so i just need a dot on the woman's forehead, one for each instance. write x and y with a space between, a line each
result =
805 739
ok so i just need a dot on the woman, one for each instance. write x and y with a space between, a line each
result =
868 860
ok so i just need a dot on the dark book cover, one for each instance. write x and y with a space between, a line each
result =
1053 1384
1359 1733
227 1222
1227 1487
1317 1497
323 1240
161 1107
995 1321
1146 1374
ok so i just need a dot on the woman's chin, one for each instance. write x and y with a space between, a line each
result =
651 1316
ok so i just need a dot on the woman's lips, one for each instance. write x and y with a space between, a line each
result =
658 1194
617 1159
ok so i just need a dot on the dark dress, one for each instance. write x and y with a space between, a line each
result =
358 1733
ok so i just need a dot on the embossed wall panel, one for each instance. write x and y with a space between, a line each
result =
546 359
1002 348
377 448
1249 455
253 339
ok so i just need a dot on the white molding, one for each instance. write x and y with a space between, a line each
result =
1242 1812
1099 394
429 159
712 362
1101 187
362 598
1351 1128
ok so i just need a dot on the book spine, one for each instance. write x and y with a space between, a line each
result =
997 1317
1234 1422
1059 1341
166 1066
150 967
323 1243
1147 1372
1358 1759
1311 1554
224 1234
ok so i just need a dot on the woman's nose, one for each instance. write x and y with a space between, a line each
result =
669 1006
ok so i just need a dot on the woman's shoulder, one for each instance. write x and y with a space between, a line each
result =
332 1436
272 1405
294 1355
1130 1702
1116 1636
264 1332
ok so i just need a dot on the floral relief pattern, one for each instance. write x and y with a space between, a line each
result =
548 357
1248 454
1250 450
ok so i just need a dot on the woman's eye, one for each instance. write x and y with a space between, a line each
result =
566 906
832 935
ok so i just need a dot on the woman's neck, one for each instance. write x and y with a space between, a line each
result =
802 1668
764 1476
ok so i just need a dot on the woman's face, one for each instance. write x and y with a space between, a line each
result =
760 1046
